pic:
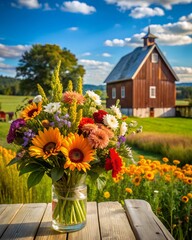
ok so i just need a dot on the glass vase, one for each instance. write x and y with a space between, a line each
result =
69 208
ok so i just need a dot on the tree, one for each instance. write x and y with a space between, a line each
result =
37 65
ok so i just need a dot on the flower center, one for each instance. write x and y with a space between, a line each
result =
76 155
49 147
30 113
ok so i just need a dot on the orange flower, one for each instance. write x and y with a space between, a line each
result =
78 152
31 111
189 195
136 181
149 175
176 162
185 199
165 160
106 195
129 190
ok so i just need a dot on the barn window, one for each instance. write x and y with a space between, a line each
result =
113 93
123 92
154 58
152 92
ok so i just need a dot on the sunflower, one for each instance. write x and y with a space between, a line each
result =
31 111
78 152
46 143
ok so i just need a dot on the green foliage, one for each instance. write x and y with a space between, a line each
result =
56 86
184 92
9 86
37 65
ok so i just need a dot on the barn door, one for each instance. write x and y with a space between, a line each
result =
151 113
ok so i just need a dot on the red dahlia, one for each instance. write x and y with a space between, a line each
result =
84 121
113 163
98 116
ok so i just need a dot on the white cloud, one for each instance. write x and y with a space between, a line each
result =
128 4
73 28
140 12
135 41
173 34
77 7
186 18
184 73
170 34
106 54
47 7
183 28
173 39
183 70
7 69
86 54
13 51
31 4
96 71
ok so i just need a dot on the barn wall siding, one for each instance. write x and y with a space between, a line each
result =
126 102
158 75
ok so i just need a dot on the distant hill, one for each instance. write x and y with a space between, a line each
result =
91 87
184 84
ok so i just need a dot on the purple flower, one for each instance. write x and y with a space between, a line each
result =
15 125
28 135
121 140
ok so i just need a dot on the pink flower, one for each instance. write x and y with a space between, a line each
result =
70 97
98 139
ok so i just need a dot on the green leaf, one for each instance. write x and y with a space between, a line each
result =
101 182
13 161
30 168
56 173
34 178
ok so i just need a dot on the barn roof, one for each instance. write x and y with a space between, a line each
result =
130 64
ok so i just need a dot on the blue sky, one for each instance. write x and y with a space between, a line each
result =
98 32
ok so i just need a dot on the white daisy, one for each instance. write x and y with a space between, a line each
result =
117 111
96 98
37 99
110 121
123 128
52 107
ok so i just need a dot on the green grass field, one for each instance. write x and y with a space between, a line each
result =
10 103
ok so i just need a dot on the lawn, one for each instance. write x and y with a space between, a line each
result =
10 103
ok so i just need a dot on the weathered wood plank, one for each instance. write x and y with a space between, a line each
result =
113 222
91 230
45 231
7 212
26 222
144 222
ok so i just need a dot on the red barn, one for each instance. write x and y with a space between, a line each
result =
144 82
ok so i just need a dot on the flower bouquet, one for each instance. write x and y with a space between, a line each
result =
69 137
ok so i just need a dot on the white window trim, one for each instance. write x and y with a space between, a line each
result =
152 92
113 93
154 58
123 92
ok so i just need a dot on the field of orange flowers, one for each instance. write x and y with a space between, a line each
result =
165 185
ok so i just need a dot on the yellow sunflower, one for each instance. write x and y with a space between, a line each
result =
31 111
78 152
46 143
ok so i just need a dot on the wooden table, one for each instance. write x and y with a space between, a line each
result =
106 220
